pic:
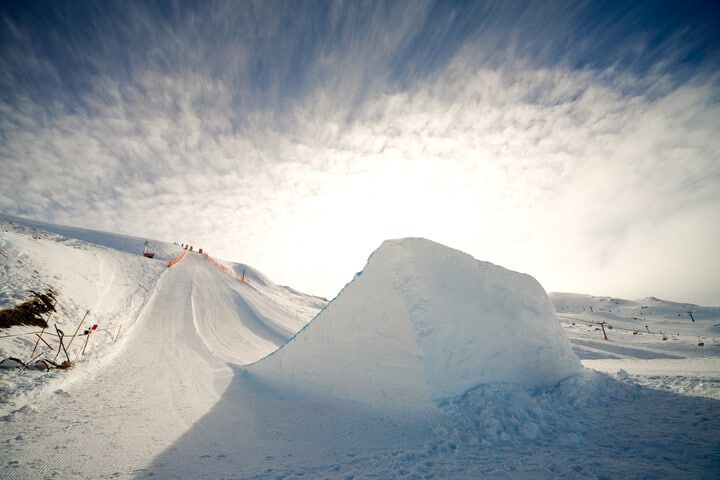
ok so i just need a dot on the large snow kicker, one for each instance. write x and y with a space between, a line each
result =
423 322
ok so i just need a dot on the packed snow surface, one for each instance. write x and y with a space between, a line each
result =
161 390
423 322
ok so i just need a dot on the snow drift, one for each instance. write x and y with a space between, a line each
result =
423 322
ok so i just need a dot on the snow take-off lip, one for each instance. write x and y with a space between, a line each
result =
421 323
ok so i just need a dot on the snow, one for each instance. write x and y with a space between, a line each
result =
114 286
423 322
181 393
652 342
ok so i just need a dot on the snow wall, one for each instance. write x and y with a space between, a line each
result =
423 322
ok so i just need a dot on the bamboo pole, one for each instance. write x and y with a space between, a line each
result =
90 332
25 366
118 333
87 312
39 335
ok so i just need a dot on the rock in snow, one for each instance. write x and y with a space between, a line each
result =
421 323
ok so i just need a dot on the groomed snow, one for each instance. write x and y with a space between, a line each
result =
170 399
421 323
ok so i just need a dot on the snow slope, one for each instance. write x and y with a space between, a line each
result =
248 321
112 285
423 322
170 399
122 243
591 425
651 341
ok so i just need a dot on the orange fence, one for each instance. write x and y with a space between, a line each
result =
176 260
227 270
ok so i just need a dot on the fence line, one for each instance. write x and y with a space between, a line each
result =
117 325
227 270
176 260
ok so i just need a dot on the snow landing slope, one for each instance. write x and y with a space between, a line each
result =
423 322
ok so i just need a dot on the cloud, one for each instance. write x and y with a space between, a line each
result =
297 140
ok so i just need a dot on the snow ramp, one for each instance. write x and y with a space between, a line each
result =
422 323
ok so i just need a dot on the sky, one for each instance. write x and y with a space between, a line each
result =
573 141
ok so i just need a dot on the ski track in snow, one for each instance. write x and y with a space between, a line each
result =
105 425
161 383
169 400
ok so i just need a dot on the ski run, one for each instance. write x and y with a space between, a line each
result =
429 364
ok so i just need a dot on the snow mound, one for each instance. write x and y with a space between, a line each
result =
421 323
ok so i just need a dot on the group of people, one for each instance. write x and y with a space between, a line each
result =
190 247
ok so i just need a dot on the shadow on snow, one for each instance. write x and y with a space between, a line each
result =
589 426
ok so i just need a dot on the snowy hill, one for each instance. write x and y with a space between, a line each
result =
423 322
662 344
107 276
174 397
122 243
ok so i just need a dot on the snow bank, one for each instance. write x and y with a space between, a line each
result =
421 323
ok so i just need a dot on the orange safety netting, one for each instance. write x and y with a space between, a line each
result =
176 260
227 270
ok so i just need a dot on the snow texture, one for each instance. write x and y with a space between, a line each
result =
167 395
423 322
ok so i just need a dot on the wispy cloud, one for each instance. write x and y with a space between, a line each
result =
297 136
